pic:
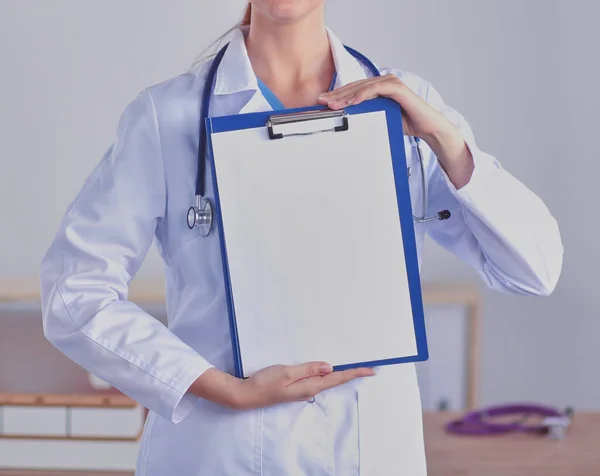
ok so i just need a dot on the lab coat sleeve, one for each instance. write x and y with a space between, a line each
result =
101 243
498 226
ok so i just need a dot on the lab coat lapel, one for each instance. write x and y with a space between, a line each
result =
348 68
236 82
235 73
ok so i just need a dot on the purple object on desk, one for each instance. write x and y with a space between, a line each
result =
474 423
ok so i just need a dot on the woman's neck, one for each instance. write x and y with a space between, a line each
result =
290 55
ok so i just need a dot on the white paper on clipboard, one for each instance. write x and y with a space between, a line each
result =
314 246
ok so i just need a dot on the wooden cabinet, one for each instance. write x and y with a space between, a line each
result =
78 432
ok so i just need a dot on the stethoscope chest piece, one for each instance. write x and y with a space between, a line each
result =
201 216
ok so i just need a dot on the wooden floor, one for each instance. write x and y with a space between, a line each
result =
508 455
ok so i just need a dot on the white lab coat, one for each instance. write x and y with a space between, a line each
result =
142 189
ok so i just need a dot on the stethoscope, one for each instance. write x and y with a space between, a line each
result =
478 423
201 215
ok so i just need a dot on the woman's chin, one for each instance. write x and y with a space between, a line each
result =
287 12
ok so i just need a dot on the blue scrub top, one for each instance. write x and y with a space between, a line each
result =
274 101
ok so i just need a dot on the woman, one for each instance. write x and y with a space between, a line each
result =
202 420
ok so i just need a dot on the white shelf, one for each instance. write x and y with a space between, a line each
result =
106 422
68 455
41 421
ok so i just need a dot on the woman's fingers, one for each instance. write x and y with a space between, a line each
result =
351 88
308 370
344 376
359 91
306 389
280 383
339 94
345 88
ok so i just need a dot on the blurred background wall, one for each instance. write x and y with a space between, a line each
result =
524 73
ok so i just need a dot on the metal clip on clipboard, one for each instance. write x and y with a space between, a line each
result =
305 117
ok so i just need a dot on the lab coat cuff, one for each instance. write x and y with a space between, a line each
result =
485 167
183 402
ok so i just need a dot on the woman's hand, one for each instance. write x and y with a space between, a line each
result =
279 383
273 385
419 119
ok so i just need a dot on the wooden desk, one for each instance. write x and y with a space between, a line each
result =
508 455
513 455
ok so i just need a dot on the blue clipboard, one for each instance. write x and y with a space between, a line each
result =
393 115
